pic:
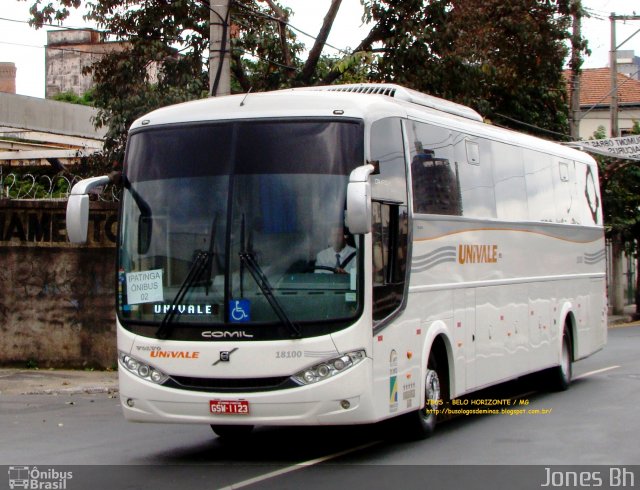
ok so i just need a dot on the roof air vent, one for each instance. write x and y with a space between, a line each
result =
405 94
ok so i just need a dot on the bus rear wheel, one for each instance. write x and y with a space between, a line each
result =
561 375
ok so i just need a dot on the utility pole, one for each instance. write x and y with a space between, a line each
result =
614 79
576 62
219 48
616 288
615 130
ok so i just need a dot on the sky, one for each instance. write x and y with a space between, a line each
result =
24 45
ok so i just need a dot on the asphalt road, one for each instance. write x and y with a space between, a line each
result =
593 423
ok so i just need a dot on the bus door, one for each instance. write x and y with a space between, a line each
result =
390 225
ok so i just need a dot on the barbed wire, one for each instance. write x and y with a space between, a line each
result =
14 186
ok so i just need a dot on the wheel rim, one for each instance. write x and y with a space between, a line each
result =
566 360
431 392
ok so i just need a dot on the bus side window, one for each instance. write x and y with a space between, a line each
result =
387 149
434 171
390 230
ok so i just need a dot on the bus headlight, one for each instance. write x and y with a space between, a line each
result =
329 368
142 370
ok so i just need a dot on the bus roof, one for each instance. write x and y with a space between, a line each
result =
281 103
362 101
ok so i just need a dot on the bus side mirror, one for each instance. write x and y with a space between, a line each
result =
358 216
78 208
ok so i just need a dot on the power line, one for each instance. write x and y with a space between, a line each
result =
288 24
596 14
69 28
533 126
271 62
205 3
68 50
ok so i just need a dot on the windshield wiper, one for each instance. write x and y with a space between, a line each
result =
202 266
198 268
248 260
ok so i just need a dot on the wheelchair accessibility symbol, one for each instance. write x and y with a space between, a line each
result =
239 310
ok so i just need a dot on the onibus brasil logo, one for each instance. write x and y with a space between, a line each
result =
33 478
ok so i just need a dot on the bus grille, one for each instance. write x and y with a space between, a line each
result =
230 385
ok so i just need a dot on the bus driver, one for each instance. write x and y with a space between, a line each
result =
339 256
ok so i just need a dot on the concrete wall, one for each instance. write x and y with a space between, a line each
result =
49 116
57 306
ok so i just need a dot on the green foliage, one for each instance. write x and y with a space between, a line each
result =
501 58
85 99
163 58
504 59
600 133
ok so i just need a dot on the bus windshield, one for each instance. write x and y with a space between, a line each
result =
227 226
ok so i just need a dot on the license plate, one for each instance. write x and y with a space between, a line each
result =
229 407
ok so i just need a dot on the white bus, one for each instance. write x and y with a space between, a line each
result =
479 258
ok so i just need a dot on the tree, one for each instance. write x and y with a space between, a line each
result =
164 59
502 58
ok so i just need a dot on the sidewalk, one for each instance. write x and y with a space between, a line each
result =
56 382
614 320
69 382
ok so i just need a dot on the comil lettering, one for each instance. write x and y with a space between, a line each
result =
477 254
240 334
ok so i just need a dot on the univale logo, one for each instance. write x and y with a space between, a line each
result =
478 254
175 354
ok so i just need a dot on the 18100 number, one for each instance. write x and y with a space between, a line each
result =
289 354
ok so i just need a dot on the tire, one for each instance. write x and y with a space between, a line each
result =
560 376
232 432
421 423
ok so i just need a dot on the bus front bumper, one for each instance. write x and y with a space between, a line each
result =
342 399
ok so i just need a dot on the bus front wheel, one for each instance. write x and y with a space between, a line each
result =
420 424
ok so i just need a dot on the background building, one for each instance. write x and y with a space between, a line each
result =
8 77
69 51
628 63
595 101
